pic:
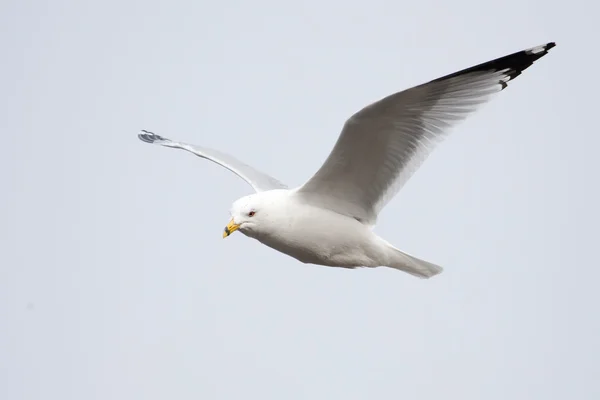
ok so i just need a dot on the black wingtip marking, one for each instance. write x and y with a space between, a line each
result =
149 137
514 63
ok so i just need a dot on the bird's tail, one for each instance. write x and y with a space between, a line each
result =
415 266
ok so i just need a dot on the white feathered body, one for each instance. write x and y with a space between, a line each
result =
315 235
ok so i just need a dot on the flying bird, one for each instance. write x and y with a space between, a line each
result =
329 219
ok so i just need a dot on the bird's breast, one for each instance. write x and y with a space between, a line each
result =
318 236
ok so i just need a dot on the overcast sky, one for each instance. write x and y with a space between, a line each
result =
115 282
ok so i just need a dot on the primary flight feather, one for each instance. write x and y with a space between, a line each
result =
328 220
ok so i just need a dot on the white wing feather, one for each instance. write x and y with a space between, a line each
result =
259 181
382 145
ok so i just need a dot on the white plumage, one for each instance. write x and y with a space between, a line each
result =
328 220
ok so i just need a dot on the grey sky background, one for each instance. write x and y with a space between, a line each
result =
115 282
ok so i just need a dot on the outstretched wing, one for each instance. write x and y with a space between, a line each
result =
382 145
258 180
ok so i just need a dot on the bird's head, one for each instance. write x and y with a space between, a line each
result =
247 213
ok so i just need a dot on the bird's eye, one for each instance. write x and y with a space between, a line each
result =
251 213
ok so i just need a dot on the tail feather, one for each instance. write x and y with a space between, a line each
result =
415 266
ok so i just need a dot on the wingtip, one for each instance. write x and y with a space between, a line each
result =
541 49
149 137
510 66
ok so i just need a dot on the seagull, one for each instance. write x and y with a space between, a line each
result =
329 220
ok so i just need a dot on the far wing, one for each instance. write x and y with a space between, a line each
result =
259 181
382 145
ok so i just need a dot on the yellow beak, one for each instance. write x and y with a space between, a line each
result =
230 228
